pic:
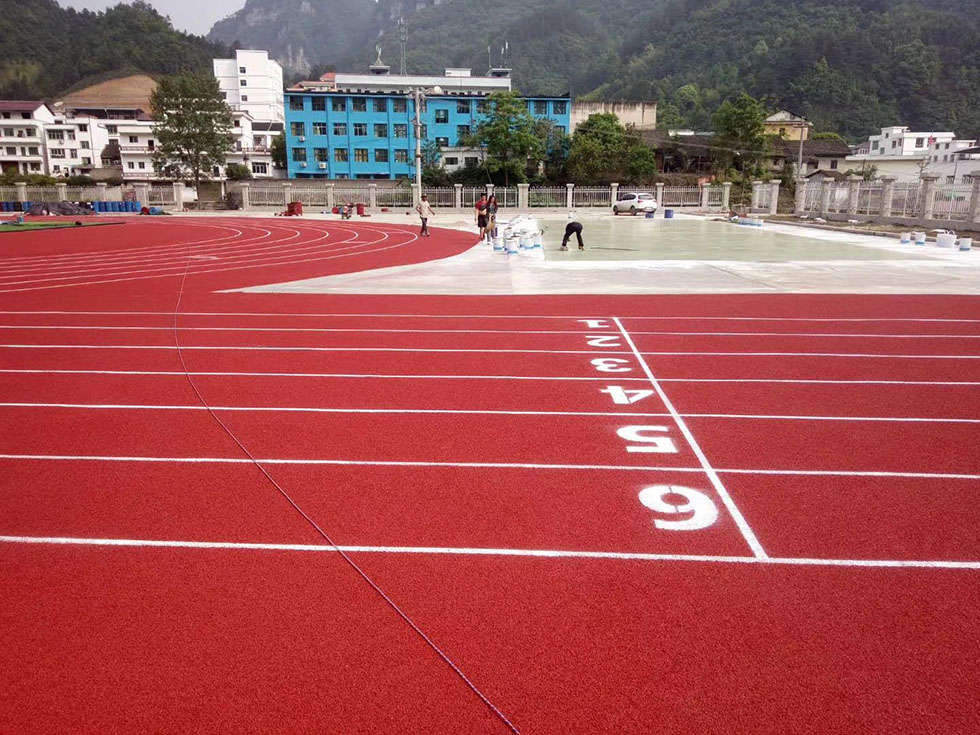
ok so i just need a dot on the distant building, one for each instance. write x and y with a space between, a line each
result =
907 155
787 126
361 126
641 115
819 154
22 140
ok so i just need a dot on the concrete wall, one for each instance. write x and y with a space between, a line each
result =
643 115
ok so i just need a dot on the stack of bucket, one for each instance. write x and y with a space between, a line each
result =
116 206
947 240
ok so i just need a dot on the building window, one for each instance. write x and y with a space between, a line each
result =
296 103
33 150
142 165
380 130
560 129
540 107
833 164
472 161
241 70
361 155
950 179
401 155
338 104
401 131
360 129
299 155
11 150
340 155
451 160
424 131
919 142
129 164
442 142
319 128
320 154
462 131
399 105
947 146
85 144
134 139
260 168
297 128
380 105
463 107
56 135
86 161
319 104
243 82
381 155
340 128
55 152
559 108
244 98
482 107
360 104
442 117
238 123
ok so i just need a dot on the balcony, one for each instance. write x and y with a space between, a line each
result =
136 148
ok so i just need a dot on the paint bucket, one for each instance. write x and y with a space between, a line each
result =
919 237
538 243
905 238
946 240
651 215
668 214
524 242
966 243
511 243
498 242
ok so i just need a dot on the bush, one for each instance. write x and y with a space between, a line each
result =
237 172
80 180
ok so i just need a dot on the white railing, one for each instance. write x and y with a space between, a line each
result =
715 197
42 194
472 194
506 196
161 195
267 195
681 196
438 196
952 201
592 196
547 196
869 198
907 200
399 196
8 194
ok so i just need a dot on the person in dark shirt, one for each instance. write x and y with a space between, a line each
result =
573 228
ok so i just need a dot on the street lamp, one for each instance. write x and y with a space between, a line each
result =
418 96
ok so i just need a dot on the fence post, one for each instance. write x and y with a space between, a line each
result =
523 196
286 192
569 188
975 197
726 194
458 196
660 194
62 192
489 190
887 196
705 193
774 196
331 200
178 195
799 205
143 194
756 195
102 186
853 193
416 195
928 196
613 193
243 189
372 195
21 191
825 197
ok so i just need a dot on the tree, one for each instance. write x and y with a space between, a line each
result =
509 135
641 163
557 145
433 174
740 132
602 150
278 151
193 126
237 172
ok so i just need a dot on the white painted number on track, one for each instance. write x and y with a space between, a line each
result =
623 397
611 365
703 511
595 323
657 444
603 342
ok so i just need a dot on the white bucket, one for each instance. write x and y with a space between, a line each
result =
498 243
919 237
966 243
538 243
905 238
512 243
945 240
525 241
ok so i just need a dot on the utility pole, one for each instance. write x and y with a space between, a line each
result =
403 43
418 98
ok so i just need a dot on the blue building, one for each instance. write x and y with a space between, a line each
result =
361 126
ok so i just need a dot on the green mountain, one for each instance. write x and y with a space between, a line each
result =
849 65
48 49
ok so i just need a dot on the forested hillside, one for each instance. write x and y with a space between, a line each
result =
47 49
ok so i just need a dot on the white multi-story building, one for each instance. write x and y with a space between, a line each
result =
252 82
22 140
900 141
909 155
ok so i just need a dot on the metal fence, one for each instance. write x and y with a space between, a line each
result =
472 194
715 197
8 194
161 195
83 194
869 198
547 196
267 195
439 196
42 194
401 197
907 201
681 196
952 201
592 196
506 196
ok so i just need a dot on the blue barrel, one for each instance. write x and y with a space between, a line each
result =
5 206
668 214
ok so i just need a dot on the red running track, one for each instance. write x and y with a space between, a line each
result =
478 458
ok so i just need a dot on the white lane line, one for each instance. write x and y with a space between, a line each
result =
271 348
382 376
485 551
500 316
615 414
801 381
811 334
314 409
719 486
481 465
87 327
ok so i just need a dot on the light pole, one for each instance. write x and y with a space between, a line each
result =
418 97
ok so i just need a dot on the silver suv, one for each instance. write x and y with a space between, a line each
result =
634 202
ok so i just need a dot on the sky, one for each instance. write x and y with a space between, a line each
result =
192 16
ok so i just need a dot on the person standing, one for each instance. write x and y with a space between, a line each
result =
482 216
573 228
425 211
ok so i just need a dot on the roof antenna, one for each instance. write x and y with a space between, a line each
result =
403 41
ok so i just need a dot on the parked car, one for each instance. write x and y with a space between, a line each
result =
634 202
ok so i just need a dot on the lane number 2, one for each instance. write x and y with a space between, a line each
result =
661 499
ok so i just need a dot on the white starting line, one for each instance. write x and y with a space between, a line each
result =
483 551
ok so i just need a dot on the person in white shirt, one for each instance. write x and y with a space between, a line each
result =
425 211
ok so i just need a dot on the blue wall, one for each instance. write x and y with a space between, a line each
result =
451 111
